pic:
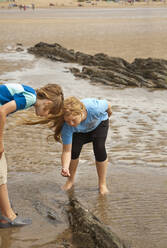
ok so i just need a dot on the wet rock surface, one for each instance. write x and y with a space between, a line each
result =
59 220
114 71
88 229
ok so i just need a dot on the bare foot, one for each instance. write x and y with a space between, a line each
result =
103 190
68 185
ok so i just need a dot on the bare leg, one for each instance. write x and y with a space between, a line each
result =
5 206
102 172
70 180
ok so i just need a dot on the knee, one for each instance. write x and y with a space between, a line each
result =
100 154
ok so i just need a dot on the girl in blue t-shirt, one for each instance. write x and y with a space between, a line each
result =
13 97
81 122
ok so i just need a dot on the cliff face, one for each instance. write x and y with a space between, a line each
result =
114 71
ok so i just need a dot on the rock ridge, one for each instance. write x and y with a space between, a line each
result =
113 71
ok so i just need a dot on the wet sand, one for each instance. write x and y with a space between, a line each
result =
136 144
112 31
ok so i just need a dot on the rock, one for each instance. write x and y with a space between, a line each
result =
88 230
19 44
74 70
19 49
52 52
114 71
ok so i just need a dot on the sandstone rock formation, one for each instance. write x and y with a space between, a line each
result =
101 68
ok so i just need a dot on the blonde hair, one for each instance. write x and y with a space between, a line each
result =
71 106
55 120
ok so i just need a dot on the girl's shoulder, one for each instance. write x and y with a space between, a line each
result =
16 88
89 102
93 103
10 88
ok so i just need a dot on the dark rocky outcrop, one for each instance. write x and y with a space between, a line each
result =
87 230
117 72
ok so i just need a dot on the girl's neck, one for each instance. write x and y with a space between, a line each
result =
84 115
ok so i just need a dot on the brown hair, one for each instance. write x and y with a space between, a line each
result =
54 93
55 120
71 106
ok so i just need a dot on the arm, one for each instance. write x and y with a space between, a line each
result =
109 110
4 111
65 159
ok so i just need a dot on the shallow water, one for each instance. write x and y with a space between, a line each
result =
136 144
136 207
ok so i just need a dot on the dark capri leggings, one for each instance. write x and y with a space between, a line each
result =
97 137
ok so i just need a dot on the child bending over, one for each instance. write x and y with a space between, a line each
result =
81 122
13 97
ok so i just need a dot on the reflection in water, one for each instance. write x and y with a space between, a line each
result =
101 207
6 237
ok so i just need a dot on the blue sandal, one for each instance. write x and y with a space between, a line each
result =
15 223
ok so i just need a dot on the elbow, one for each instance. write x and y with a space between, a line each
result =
66 148
109 110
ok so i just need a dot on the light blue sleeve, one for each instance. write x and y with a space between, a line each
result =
30 96
66 134
24 96
24 100
30 99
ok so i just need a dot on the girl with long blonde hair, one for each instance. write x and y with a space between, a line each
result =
78 123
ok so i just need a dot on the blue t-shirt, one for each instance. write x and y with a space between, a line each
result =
96 113
24 96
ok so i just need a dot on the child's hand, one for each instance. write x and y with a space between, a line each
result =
65 172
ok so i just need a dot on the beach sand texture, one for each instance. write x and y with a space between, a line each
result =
88 3
114 34
136 205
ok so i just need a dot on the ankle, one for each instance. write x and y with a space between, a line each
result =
103 189
68 185
12 216
9 214
102 185
70 180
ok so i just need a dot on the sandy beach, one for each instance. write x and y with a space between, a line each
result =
136 205
89 3
84 30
